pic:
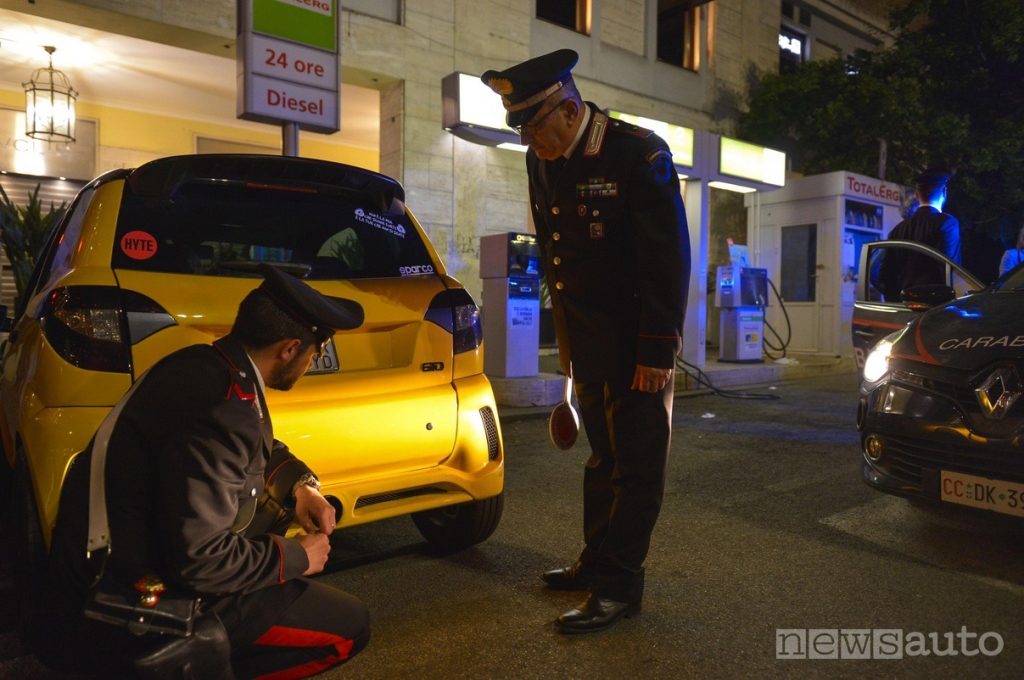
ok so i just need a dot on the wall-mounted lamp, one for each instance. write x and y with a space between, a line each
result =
729 186
50 104
678 138
472 111
748 161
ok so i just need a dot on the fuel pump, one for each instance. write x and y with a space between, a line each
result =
510 269
741 294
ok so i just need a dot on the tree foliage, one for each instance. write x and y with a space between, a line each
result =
949 92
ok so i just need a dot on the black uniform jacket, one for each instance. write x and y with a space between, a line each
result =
902 269
192 452
612 229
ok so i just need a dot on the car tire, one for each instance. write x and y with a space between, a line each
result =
28 553
455 527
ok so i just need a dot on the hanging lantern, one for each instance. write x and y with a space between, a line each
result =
50 104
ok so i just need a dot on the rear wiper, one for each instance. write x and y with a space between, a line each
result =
298 269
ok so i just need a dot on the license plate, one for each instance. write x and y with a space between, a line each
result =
981 492
326 362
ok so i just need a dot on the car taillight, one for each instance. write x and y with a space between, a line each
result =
455 311
92 327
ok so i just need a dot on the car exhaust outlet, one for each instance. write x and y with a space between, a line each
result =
336 504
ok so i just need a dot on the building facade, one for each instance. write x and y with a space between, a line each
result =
158 78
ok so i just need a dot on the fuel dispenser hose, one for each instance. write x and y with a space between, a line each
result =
767 344
704 380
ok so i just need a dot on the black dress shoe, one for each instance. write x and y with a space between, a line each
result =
574 577
596 613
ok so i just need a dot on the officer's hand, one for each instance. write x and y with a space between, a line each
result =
650 379
313 512
317 547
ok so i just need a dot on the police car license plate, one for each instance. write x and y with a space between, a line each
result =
326 362
981 492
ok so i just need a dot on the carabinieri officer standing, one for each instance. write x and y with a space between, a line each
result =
611 225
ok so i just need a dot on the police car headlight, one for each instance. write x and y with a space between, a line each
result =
877 364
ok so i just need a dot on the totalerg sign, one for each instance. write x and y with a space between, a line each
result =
879 191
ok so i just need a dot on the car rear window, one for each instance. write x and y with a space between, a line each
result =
213 226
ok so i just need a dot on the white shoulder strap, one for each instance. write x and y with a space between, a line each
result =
99 526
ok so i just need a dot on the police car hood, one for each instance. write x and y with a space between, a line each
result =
968 333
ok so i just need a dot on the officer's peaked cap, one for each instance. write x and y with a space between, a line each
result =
524 87
321 314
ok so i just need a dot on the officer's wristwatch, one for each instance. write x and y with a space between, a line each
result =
308 479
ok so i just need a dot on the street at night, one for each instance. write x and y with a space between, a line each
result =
765 526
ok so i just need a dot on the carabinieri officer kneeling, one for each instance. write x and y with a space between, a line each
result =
612 229
190 457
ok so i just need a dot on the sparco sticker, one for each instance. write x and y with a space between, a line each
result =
380 222
416 270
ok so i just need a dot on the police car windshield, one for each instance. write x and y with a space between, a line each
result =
226 228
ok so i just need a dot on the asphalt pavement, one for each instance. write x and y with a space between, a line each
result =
765 527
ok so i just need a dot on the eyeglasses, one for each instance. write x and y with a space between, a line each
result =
522 130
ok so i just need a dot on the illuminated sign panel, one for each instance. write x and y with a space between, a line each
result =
678 138
474 112
753 162
479 104
288 63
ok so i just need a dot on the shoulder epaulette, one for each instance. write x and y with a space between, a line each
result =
595 140
629 128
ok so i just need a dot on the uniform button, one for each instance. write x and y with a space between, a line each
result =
596 213
555 210
253 492
557 260
559 285
556 236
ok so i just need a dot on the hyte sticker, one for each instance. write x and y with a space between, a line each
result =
138 245
380 222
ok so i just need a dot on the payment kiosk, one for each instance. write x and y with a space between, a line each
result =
510 269
741 294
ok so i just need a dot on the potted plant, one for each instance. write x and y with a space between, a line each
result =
23 231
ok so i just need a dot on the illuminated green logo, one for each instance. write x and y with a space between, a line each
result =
308 22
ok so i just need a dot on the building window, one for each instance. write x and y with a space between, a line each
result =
573 14
679 33
388 10
792 49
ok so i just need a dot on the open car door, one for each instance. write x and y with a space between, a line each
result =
878 309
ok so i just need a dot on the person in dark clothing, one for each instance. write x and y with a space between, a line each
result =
610 222
902 268
1013 256
192 471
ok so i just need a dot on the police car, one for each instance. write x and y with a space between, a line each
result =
941 416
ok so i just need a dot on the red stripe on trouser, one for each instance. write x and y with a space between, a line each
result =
283 636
